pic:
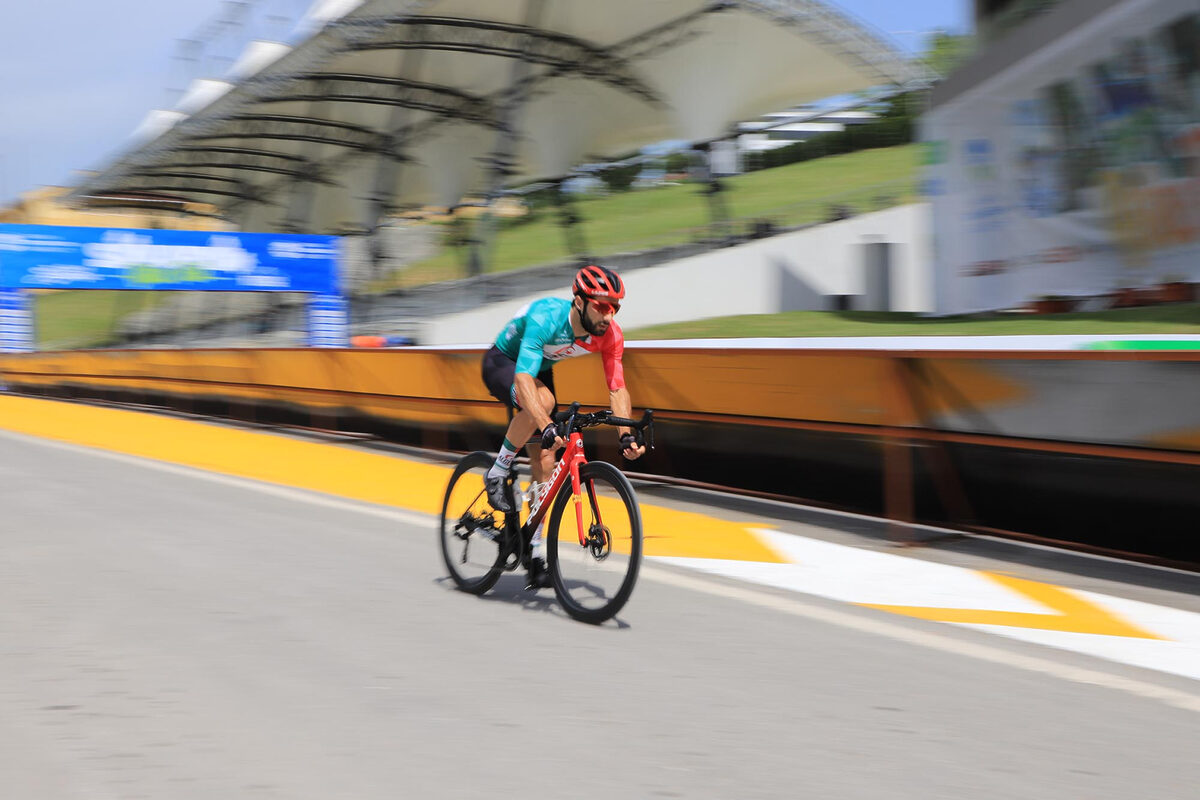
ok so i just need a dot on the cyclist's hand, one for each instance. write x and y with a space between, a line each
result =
630 447
550 438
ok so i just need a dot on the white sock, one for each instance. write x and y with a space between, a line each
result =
537 543
503 461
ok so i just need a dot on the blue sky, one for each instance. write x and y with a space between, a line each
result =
80 76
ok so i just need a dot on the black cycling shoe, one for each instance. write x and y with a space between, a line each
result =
538 576
496 493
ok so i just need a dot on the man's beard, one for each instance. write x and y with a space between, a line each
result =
593 328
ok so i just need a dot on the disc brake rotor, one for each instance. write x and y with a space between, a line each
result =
599 542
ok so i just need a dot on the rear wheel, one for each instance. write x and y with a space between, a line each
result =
471 531
594 573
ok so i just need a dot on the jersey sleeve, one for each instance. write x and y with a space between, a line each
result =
611 355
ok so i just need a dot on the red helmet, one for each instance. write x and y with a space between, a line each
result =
599 283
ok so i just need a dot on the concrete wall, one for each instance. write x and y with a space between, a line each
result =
791 272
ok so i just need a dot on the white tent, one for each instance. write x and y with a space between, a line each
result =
396 103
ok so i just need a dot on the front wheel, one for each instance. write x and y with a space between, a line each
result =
595 567
470 530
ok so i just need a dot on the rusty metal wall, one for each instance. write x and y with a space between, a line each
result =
1139 399
1098 448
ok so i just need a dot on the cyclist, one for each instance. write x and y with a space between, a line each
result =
518 371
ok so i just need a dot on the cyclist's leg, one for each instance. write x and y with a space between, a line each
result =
523 428
541 464
498 373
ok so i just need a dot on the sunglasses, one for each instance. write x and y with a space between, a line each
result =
606 308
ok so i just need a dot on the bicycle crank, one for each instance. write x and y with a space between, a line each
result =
468 524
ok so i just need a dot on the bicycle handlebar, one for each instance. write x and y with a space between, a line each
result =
643 428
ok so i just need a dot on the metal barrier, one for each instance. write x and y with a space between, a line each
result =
967 439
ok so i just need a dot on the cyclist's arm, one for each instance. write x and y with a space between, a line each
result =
618 394
611 355
621 406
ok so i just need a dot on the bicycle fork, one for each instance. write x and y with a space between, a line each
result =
585 534
578 500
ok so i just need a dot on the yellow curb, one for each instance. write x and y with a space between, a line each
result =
328 468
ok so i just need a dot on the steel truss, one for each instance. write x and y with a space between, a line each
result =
669 34
831 28
443 101
303 129
134 201
245 158
666 36
158 172
563 53
150 184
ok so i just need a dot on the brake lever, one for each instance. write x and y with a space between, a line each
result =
648 429
568 418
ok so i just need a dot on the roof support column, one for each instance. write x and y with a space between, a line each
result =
572 225
299 207
506 142
718 211
383 187
387 175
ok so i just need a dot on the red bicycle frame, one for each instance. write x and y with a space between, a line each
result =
572 459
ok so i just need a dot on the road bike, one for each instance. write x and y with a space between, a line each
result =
592 555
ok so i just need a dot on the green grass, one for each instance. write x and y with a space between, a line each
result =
1182 318
69 319
645 218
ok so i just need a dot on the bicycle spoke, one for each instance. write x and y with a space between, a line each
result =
471 532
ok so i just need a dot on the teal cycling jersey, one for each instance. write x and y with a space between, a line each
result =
541 332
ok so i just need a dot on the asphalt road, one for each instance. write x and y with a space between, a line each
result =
169 635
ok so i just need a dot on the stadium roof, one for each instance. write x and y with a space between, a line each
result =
399 103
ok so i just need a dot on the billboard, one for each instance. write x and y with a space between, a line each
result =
1075 171
54 257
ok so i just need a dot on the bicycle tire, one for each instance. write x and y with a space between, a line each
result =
466 485
600 480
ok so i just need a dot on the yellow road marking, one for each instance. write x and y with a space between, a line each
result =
275 459
683 534
392 481
332 469
1075 615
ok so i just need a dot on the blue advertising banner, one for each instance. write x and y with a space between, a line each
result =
16 322
53 257
327 315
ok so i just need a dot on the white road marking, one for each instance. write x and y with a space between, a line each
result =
853 575
935 641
